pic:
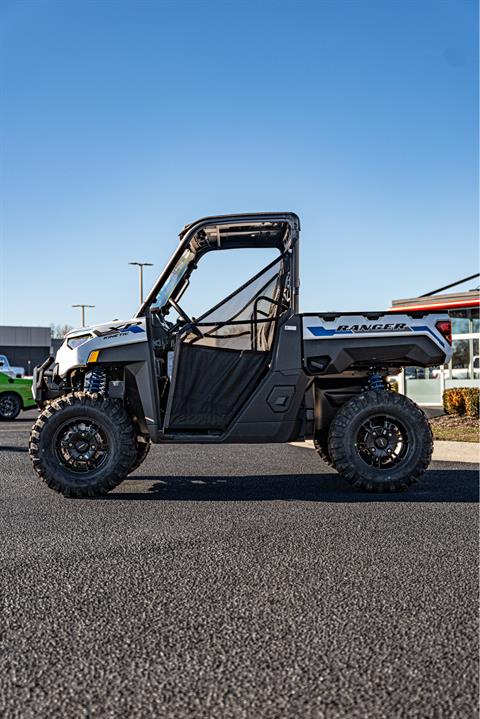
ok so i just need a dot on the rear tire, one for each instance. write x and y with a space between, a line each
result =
380 441
83 445
10 406
320 442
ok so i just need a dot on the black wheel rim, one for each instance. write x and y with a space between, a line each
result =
8 406
382 442
82 446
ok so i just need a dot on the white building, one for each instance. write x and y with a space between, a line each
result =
426 386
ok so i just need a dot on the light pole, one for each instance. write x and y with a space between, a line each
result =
140 266
83 312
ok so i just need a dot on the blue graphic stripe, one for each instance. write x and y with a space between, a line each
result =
135 329
322 332
435 335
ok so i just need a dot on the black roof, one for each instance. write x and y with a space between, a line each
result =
248 217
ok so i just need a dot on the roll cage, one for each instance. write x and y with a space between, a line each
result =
278 230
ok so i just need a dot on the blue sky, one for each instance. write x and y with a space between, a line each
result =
122 121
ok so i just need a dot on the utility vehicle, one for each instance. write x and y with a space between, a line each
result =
251 369
15 396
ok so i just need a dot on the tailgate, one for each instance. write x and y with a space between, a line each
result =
334 343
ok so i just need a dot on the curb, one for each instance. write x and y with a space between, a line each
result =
448 451
443 451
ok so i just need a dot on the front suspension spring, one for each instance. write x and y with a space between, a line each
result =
96 381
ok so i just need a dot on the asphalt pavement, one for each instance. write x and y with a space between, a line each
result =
237 581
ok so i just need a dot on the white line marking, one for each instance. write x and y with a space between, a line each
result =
24 429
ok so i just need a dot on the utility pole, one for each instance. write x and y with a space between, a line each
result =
140 266
83 312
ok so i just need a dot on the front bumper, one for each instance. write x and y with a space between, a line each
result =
44 386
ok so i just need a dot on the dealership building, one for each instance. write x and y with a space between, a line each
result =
26 346
426 386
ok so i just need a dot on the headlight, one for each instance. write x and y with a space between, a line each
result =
77 341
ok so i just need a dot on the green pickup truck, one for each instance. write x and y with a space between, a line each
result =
15 395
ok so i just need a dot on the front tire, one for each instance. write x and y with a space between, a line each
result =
10 406
380 441
142 448
83 445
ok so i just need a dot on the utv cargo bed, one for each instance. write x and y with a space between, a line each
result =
338 342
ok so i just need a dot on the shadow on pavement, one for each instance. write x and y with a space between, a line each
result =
455 485
12 448
24 420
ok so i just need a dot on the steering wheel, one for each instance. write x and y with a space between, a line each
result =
185 317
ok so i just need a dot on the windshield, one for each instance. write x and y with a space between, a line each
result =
173 280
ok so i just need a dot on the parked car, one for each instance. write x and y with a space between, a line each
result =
7 368
15 396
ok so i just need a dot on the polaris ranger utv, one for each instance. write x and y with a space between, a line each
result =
249 370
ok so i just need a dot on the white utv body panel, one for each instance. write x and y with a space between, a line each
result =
98 337
328 326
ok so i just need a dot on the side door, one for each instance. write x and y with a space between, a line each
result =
221 357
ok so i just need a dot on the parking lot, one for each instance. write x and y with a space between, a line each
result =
237 582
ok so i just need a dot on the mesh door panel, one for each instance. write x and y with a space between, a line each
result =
212 385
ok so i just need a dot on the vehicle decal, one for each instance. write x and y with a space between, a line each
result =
436 335
356 329
128 327
320 331
323 332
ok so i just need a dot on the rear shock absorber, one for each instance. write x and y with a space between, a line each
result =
96 381
376 382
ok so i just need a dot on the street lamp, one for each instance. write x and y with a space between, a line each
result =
140 266
82 307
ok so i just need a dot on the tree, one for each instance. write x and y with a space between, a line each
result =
59 331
